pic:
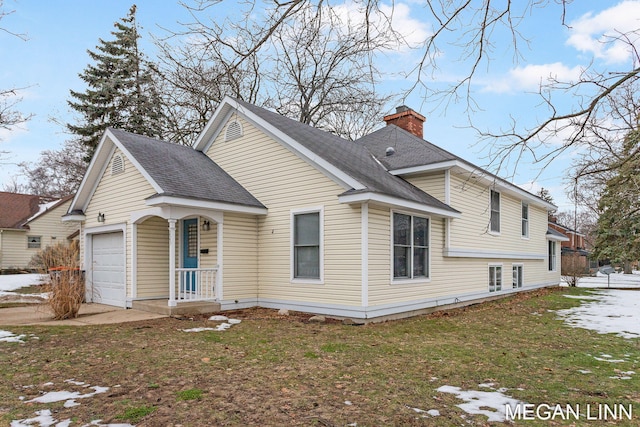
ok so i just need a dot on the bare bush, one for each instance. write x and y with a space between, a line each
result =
66 288
574 266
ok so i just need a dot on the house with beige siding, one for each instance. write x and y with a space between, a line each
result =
266 211
28 225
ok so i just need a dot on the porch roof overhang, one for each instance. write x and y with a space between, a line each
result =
397 202
556 236
74 216
160 200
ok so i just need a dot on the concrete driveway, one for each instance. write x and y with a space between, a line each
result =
90 314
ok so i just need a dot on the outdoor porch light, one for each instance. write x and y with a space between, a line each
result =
206 225
100 217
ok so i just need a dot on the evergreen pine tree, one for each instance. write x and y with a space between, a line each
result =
618 230
121 91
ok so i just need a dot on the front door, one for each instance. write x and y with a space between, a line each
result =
189 253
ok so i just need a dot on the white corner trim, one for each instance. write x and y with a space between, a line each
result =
364 248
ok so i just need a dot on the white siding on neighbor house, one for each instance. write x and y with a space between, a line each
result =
284 182
117 196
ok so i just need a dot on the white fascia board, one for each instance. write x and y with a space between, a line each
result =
487 177
476 253
555 238
204 204
205 140
74 217
395 202
434 167
213 127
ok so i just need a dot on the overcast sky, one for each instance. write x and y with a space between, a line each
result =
59 32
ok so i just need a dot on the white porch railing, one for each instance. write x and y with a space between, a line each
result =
196 284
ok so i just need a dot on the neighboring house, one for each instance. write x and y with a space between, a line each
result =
28 225
574 254
266 211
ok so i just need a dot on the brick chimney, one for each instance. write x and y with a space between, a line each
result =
406 119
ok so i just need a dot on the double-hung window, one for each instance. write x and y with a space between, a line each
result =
495 212
410 246
495 278
525 220
553 260
307 246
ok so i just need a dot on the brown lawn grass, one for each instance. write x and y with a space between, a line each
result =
272 370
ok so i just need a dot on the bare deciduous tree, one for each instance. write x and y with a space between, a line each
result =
9 98
475 33
57 173
312 66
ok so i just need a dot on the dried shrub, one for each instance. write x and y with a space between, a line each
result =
574 266
66 288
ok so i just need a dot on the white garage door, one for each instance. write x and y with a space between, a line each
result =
108 270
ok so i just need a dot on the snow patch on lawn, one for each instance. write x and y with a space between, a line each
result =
45 418
425 414
607 311
221 327
11 282
68 396
477 402
6 336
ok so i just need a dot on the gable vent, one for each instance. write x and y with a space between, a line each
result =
117 166
234 130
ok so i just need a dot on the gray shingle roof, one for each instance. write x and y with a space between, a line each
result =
182 171
350 157
409 149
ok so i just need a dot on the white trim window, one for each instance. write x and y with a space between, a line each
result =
518 275
410 246
552 256
494 223
307 245
525 220
495 278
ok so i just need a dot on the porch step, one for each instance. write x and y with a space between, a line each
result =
183 308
